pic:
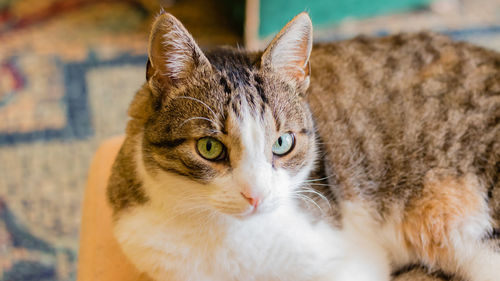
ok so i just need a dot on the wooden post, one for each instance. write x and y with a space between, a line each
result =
252 19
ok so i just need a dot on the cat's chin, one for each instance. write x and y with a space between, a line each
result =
252 212
242 215
249 212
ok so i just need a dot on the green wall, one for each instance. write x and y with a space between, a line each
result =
274 14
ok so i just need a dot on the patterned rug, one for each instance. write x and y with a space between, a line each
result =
68 70
61 64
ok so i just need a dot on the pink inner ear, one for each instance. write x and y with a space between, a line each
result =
299 69
289 51
173 52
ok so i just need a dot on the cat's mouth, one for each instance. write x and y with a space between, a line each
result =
265 207
250 211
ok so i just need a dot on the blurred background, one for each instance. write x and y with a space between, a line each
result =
69 68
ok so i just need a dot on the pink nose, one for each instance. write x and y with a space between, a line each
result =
252 199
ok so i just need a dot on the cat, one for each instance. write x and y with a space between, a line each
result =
342 161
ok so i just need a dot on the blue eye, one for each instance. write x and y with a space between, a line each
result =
283 144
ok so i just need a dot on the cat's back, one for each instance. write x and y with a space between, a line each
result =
391 109
415 67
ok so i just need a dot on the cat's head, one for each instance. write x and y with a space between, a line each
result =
227 130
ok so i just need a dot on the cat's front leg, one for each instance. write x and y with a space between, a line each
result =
339 255
365 261
357 268
360 263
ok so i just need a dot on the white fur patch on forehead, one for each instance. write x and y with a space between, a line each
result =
289 51
173 51
251 130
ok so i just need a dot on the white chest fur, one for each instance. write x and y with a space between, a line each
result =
282 245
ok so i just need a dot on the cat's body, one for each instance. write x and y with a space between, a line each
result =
409 139
411 133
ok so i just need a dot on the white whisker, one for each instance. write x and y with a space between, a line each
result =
318 184
198 118
197 100
308 200
320 179
312 191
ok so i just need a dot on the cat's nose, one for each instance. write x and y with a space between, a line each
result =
253 199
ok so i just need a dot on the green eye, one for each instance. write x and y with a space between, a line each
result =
210 148
283 144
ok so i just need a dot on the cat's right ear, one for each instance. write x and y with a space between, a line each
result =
288 53
173 53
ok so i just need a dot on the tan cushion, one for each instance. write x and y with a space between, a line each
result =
100 258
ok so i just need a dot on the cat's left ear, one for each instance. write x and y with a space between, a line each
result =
173 53
288 53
